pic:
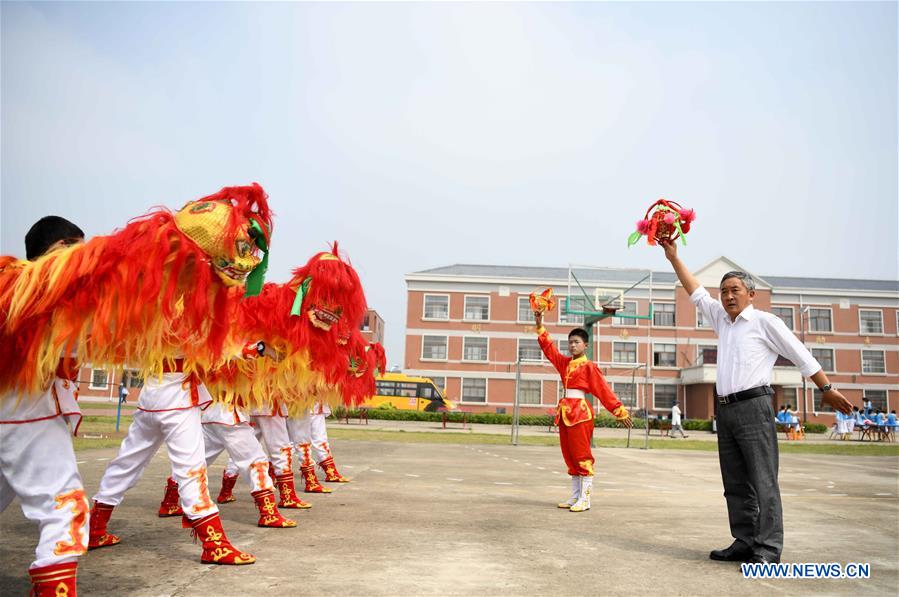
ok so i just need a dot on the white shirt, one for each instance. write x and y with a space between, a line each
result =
749 345
675 415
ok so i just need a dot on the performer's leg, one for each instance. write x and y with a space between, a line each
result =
229 478
7 495
277 441
742 505
322 450
38 465
123 472
184 440
579 437
250 459
300 432
569 463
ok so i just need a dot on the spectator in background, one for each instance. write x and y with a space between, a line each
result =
123 392
676 422
851 419
867 407
891 419
793 417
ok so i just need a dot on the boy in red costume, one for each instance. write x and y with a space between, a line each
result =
574 415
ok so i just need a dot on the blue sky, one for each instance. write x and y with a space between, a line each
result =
421 135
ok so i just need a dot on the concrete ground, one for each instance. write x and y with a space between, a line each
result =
429 519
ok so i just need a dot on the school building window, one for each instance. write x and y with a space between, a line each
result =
701 321
436 306
433 347
474 349
440 382
630 308
529 350
626 392
99 379
819 320
878 399
575 303
785 314
663 315
563 348
624 352
525 314
529 391
707 355
663 396
664 355
477 308
873 361
474 390
787 397
132 378
824 356
870 321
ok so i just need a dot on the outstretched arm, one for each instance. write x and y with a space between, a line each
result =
688 280
559 361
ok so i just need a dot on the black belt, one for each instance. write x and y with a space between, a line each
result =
746 394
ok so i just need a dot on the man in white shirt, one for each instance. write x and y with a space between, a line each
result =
676 421
749 342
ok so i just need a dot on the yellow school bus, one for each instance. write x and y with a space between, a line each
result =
396 390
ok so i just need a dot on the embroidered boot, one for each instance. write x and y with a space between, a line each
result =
312 484
98 537
289 497
583 500
331 473
216 547
225 494
54 580
171 504
268 511
575 492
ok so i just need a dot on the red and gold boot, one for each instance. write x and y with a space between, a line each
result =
216 547
225 494
171 504
98 536
289 497
268 511
331 473
312 484
55 580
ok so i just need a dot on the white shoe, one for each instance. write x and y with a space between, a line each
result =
575 492
583 501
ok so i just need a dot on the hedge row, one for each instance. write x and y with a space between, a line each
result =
393 414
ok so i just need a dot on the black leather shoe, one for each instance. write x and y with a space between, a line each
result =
737 552
763 558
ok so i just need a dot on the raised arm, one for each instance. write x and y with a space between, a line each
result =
559 361
688 280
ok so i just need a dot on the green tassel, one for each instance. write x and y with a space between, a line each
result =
683 237
633 239
301 294
257 277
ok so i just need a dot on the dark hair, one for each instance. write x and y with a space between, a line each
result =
746 278
580 333
45 232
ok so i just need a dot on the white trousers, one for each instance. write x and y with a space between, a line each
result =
37 464
183 436
244 450
309 436
276 440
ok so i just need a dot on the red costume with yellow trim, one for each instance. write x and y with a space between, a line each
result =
574 415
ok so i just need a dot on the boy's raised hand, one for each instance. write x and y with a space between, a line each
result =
626 422
538 319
